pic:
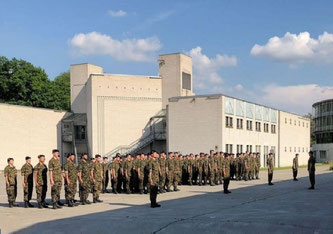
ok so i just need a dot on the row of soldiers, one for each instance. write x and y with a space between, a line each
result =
130 174
127 173
88 175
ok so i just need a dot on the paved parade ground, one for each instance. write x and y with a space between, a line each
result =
252 207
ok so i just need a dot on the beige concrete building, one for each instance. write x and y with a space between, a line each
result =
114 113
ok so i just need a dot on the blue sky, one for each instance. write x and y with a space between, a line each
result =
289 72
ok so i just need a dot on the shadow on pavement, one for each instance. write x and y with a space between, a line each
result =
287 206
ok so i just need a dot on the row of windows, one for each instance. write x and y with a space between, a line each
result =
295 122
229 124
296 149
240 149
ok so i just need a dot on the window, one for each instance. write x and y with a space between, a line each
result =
228 148
249 148
291 121
239 149
294 149
239 124
80 132
285 120
322 154
258 126
258 149
295 122
303 149
273 128
299 123
186 80
299 149
307 125
249 125
290 149
273 150
266 126
303 124
285 149
228 122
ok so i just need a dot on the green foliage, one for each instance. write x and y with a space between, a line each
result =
331 166
21 83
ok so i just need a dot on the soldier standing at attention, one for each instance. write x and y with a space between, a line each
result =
141 173
105 175
162 179
169 171
96 175
270 167
91 165
27 181
200 167
55 174
84 179
312 169
257 169
40 176
71 180
206 169
226 173
295 167
154 170
11 182
128 173
115 173
211 167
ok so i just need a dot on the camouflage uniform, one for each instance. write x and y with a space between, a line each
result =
41 173
27 172
162 179
226 174
154 170
205 170
270 167
115 171
257 167
11 172
105 181
55 167
71 170
200 167
170 175
97 169
211 163
128 173
84 188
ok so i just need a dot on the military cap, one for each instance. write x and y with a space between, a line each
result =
27 158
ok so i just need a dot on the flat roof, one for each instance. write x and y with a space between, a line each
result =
155 77
212 96
327 100
176 53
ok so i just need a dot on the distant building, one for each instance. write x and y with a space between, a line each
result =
113 113
323 130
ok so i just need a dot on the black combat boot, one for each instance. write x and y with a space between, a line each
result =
54 206
30 205
40 205
26 204
60 203
10 204
45 205
155 205
176 189
83 202
98 200
74 202
70 203
94 200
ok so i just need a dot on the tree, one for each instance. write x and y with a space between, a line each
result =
22 83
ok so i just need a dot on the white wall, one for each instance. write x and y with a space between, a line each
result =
28 131
194 124
294 138
121 106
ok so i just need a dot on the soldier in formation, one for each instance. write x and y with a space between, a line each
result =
295 167
10 173
27 181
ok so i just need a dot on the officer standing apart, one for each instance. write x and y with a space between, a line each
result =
295 167
11 182
154 170
312 169
27 181
270 167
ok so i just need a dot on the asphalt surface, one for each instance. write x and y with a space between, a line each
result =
252 207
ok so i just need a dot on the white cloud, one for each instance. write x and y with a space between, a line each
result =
297 98
295 49
206 70
94 43
119 13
